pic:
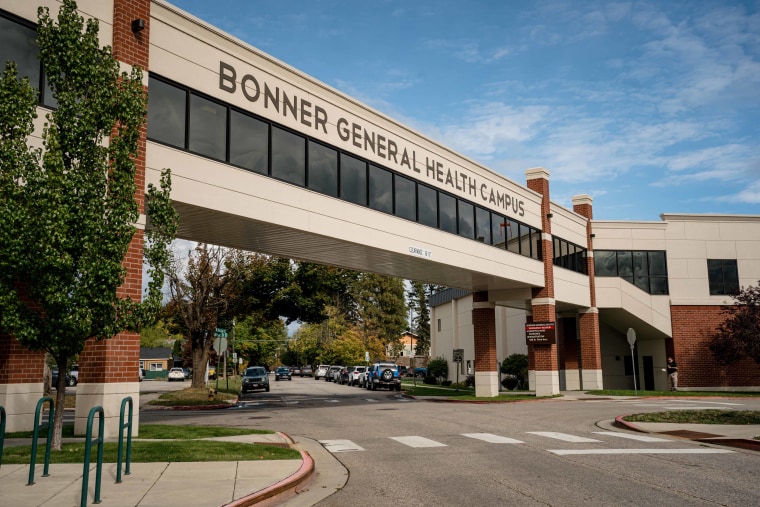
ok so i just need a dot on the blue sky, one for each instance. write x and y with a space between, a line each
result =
649 107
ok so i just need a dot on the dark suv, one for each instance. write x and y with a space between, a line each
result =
383 375
255 377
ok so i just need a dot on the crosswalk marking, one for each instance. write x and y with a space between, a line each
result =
415 441
640 438
563 436
340 445
491 438
701 450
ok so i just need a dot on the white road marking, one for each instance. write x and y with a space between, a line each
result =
491 438
332 401
370 400
640 438
562 436
415 441
706 402
340 445
564 452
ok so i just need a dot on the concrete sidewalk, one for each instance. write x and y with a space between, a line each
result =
205 484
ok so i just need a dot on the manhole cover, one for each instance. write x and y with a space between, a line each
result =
260 417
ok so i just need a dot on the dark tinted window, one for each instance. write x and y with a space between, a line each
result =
323 169
380 189
466 219
353 179
427 206
723 276
208 128
249 143
498 230
166 113
625 265
405 198
18 43
513 241
288 156
447 213
657 265
482 225
605 263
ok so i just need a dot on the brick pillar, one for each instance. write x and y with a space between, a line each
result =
109 369
544 358
21 384
484 332
591 352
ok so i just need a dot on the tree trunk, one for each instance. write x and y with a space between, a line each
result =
60 403
200 358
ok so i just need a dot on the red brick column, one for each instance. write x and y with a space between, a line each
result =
484 332
109 368
21 373
591 353
545 357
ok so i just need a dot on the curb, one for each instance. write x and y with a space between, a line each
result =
739 443
282 490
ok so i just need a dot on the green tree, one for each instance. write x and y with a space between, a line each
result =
156 335
381 308
258 342
515 367
68 211
438 368
738 336
420 325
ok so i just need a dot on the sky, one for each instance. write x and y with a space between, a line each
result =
649 107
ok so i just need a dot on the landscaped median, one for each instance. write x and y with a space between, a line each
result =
440 393
160 443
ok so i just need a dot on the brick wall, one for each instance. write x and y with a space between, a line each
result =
484 332
17 364
693 326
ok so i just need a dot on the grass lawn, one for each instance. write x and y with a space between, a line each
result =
193 397
699 417
732 394
177 445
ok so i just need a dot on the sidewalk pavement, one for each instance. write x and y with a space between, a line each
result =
292 482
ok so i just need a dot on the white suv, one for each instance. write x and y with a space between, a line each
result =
321 371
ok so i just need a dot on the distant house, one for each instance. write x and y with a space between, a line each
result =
156 361
403 356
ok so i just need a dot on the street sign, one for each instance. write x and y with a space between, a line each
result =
220 332
366 356
458 355
220 345
631 337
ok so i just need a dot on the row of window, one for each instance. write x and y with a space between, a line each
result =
647 270
182 118
569 255
723 277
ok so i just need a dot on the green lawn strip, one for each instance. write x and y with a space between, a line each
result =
158 431
699 417
732 394
192 397
150 452
466 394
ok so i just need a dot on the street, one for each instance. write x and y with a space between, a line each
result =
553 452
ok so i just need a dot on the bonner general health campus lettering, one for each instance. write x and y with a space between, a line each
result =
314 116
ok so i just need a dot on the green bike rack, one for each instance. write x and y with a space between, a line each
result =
122 425
51 414
87 449
2 432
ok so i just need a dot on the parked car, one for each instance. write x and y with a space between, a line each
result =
74 372
321 371
212 372
332 373
70 381
420 372
255 377
187 372
283 372
141 374
306 371
295 370
342 376
353 379
176 374
363 377
383 375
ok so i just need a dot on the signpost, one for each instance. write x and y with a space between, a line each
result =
458 357
631 336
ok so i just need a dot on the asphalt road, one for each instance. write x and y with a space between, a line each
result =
420 453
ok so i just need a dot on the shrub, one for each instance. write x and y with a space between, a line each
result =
515 367
446 383
429 379
470 381
438 368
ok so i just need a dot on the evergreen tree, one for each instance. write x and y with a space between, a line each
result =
420 325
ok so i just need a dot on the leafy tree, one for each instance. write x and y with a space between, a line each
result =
738 336
156 335
67 211
515 367
381 308
420 325
258 343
